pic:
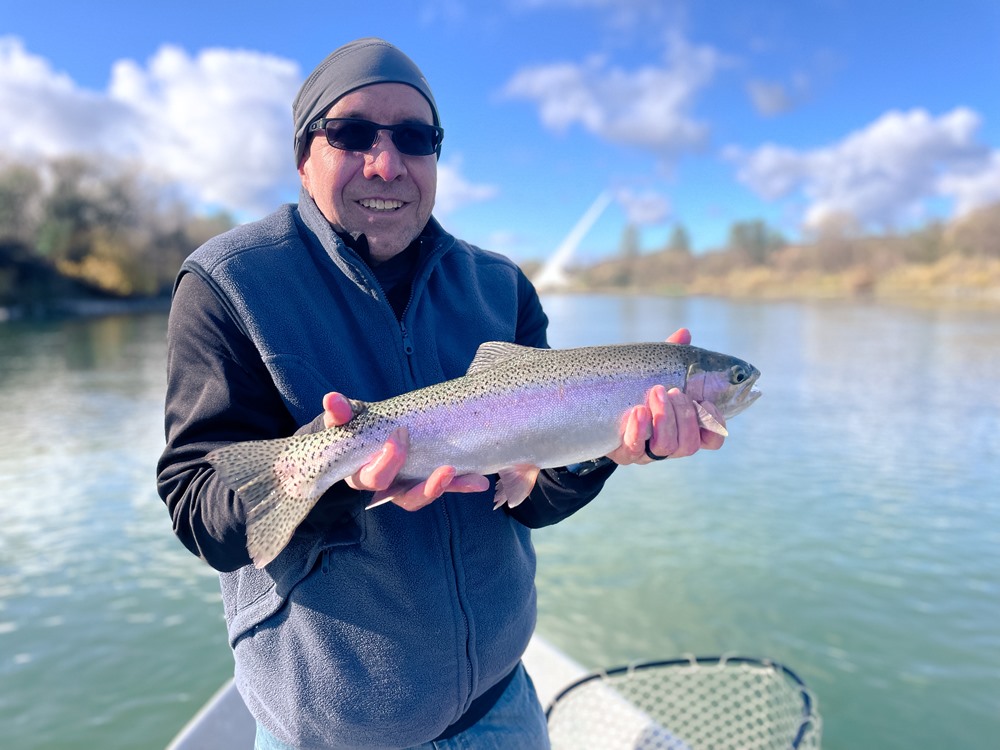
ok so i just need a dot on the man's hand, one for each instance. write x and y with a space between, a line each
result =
379 474
668 422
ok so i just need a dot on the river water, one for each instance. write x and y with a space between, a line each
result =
849 529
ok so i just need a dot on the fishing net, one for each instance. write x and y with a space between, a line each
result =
705 703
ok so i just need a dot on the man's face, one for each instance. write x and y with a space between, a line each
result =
349 186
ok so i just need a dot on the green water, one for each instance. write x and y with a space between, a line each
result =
850 528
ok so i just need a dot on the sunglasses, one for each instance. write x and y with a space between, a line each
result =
352 134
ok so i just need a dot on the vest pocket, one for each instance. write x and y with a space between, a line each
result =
252 596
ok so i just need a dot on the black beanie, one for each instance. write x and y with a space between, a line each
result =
356 64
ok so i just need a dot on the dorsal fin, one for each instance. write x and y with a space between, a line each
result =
491 353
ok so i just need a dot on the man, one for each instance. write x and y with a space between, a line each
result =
380 628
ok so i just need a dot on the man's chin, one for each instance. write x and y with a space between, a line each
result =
385 243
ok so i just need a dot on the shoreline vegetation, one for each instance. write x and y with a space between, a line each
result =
949 282
955 264
79 237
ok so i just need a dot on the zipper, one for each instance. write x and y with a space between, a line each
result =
424 259
407 341
377 291
428 255
458 600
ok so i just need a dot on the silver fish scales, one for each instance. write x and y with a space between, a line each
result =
517 410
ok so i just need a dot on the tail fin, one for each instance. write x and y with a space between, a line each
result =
275 492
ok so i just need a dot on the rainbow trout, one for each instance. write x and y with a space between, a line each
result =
516 411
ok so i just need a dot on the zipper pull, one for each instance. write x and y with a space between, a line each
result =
407 341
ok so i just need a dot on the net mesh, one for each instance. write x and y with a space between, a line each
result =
692 704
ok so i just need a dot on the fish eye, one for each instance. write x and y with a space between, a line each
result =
737 374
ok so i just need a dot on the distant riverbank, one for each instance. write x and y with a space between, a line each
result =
956 263
951 281
30 291
82 307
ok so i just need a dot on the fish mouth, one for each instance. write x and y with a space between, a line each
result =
748 393
742 404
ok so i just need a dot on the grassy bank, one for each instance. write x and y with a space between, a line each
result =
948 281
942 264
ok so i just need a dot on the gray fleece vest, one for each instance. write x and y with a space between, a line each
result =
381 633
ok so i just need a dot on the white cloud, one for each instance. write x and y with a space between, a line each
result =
455 191
512 244
218 123
882 175
649 107
44 114
644 209
974 188
768 97
772 98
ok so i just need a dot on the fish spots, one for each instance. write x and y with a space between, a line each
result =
527 409
288 467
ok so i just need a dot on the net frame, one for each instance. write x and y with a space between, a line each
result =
690 703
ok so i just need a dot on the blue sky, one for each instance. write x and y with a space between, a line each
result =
702 113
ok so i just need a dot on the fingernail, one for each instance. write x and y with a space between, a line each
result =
447 480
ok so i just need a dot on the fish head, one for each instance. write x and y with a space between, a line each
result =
728 382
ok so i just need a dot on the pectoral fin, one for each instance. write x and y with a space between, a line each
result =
515 484
710 423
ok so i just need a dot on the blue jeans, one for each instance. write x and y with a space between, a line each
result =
516 722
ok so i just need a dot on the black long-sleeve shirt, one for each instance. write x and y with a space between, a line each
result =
219 391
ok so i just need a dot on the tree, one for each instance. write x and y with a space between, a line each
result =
67 213
628 248
755 240
680 241
105 223
925 245
977 234
838 241
628 251
20 199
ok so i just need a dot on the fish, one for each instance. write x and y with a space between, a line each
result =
516 411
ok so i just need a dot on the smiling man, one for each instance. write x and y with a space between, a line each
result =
401 626
384 191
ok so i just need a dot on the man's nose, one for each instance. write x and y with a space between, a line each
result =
383 159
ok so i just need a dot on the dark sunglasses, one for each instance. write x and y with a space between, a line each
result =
352 134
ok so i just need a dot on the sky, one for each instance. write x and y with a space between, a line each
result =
698 113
